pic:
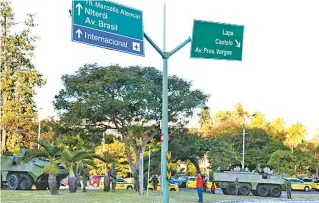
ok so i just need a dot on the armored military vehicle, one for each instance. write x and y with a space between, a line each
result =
19 175
259 184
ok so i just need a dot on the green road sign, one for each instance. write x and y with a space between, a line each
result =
217 41
108 25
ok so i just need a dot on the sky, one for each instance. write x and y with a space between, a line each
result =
277 76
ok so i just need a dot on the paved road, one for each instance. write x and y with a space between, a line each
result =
219 191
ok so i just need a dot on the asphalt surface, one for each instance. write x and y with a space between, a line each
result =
219 191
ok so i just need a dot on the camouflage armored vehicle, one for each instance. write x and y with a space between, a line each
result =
259 184
19 175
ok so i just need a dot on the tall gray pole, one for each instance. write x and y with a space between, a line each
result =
243 162
148 171
164 115
39 127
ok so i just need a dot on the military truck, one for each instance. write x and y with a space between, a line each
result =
19 175
259 184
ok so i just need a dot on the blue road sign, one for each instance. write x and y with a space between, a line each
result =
108 25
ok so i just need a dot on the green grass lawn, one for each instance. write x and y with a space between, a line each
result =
35 196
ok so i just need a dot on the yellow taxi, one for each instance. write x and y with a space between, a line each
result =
191 183
121 184
297 184
313 182
171 187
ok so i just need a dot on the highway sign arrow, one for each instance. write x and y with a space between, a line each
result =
79 7
79 33
169 155
169 175
169 165
238 44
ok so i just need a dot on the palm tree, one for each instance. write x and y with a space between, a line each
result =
72 161
51 152
106 159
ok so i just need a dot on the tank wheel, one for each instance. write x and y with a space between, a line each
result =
254 192
231 189
26 182
13 181
42 183
224 191
275 191
2 184
244 189
263 190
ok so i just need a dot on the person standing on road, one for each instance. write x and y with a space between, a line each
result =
288 188
199 186
237 186
155 183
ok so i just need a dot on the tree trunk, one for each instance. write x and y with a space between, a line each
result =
53 185
4 136
129 154
106 183
141 171
78 181
317 170
196 166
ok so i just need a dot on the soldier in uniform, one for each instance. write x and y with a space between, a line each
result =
237 186
113 177
85 175
288 189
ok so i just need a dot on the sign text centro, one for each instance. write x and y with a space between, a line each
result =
108 25
217 41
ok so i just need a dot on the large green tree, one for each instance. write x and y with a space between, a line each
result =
126 99
19 79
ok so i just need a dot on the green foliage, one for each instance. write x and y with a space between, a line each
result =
221 154
52 169
97 98
19 79
295 135
50 151
73 159
282 162
114 153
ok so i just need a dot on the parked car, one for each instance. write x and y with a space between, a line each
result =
65 182
191 183
121 184
182 181
95 180
313 182
297 184
171 187
174 181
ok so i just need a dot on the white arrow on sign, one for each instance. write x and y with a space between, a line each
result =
238 44
79 7
79 33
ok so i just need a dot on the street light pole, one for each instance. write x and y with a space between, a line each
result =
243 162
39 127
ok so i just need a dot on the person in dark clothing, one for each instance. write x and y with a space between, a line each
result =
155 182
145 181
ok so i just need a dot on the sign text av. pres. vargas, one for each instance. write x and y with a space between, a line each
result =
217 41
108 25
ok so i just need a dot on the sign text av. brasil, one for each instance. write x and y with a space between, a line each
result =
217 41
108 25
